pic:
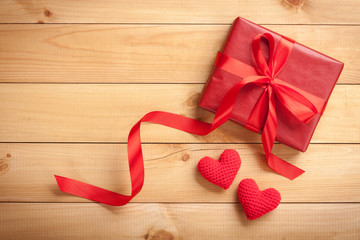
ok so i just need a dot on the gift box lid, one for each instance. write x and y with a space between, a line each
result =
305 69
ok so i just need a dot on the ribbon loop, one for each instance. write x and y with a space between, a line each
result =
264 68
277 56
281 55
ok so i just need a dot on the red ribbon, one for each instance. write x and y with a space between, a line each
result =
303 105
295 100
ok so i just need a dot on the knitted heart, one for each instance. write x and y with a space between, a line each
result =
222 172
255 202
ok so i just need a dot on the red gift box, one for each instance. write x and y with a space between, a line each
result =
305 70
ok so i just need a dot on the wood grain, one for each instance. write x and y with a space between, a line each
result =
106 113
70 91
144 53
172 11
27 172
177 221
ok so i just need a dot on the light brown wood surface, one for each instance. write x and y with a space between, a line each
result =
113 53
70 91
187 11
171 174
178 221
106 113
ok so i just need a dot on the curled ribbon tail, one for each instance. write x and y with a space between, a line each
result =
283 168
268 138
91 192
135 156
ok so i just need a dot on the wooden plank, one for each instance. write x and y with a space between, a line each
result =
177 221
106 113
144 53
26 172
201 11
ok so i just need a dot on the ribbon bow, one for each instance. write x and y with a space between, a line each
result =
293 99
275 90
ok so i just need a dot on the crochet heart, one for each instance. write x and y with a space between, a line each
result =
222 172
256 203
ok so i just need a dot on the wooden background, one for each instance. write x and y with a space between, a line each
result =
71 89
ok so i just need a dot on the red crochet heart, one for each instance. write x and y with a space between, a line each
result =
222 172
255 202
